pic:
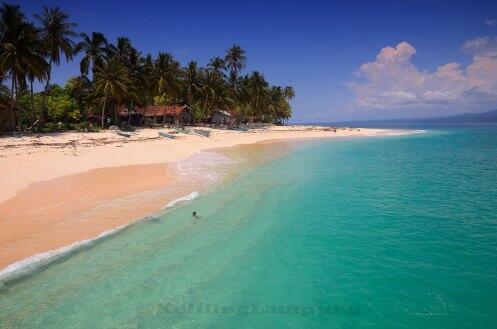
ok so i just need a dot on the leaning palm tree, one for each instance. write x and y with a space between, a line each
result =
111 81
58 34
94 50
21 54
236 61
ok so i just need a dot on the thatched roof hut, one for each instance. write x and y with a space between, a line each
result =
172 114
222 117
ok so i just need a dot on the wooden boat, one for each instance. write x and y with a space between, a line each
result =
183 130
166 135
201 132
123 133
240 128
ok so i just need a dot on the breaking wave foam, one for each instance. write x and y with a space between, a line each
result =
183 199
201 166
36 262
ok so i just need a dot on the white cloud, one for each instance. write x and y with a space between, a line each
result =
392 81
481 46
490 22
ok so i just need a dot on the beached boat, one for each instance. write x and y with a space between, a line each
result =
123 133
183 130
201 132
166 135
240 128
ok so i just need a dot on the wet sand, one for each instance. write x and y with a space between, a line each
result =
51 214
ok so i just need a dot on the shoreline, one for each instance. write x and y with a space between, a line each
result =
31 159
142 153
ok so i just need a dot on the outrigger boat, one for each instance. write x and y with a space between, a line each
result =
166 135
201 132
240 128
183 130
123 133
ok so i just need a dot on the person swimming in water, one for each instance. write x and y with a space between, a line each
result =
194 214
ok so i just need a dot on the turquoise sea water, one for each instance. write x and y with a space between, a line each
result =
397 232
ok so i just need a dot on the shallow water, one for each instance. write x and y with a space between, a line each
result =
379 232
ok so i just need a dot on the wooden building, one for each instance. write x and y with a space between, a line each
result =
170 114
222 118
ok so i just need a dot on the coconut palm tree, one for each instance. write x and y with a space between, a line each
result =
235 60
241 99
278 108
258 93
217 64
134 63
57 33
94 50
166 77
192 79
21 53
12 59
111 81
147 76
166 74
288 93
213 91
39 70
208 88
121 50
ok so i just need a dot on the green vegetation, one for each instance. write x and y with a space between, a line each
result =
115 75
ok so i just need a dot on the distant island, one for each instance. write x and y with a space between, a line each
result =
119 85
460 119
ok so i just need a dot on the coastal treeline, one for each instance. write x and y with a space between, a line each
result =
114 75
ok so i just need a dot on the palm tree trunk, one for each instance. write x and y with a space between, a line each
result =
205 105
31 94
129 114
115 114
31 99
44 111
164 116
11 108
103 111
142 118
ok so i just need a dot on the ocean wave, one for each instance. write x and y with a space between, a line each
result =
38 261
201 166
183 199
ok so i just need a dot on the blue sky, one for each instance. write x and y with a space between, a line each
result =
318 47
